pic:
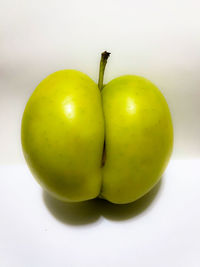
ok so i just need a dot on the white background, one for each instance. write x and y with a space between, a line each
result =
159 40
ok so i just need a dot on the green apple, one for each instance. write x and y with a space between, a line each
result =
83 141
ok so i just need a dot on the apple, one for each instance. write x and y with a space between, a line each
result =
83 141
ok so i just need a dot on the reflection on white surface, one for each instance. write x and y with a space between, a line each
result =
79 227
69 108
130 107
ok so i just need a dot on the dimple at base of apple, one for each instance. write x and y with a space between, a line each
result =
63 130
124 202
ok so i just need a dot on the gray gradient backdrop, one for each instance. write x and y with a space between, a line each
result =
156 39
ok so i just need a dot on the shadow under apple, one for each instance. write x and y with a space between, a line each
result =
91 211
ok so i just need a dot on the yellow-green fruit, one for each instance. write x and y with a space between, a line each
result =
63 135
139 138
64 126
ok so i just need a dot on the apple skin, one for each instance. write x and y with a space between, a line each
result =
64 126
62 135
139 138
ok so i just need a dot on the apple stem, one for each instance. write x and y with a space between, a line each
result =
104 57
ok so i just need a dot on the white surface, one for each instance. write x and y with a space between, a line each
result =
153 38
162 229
